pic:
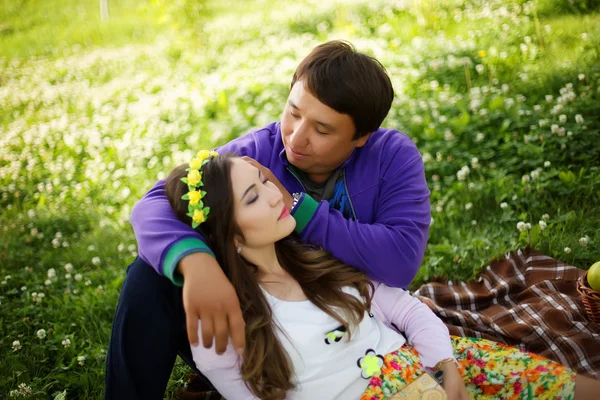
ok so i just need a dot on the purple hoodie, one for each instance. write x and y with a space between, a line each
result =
389 199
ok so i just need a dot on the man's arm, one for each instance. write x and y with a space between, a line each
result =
163 240
390 249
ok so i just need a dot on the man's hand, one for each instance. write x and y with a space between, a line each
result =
288 200
209 296
453 384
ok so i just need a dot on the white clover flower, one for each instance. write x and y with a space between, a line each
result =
479 137
463 173
69 267
479 68
554 128
65 244
25 390
78 277
474 222
562 118
66 342
504 205
515 197
581 77
523 47
47 282
579 119
525 178
31 213
58 235
528 225
14 393
91 247
131 247
68 276
88 282
583 241
468 206
521 226
542 225
51 273
96 261
545 217
100 289
23 288
475 163
16 345
55 243
547 164
537 108
567 250
120 247
549 98
41 334
81 360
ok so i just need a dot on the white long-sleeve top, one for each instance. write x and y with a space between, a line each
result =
325 366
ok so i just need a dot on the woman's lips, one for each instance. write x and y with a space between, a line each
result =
284 213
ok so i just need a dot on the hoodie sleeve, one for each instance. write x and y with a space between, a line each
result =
391 248
163 240
422 328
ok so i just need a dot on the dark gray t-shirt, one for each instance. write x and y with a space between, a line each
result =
319 191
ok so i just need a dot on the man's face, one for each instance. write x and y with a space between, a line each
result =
317 139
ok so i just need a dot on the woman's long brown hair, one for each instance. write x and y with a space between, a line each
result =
266 367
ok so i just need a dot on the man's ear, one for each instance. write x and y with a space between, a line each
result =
361 141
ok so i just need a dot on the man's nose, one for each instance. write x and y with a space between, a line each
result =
299 136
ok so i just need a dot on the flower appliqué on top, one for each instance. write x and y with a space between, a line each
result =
370 364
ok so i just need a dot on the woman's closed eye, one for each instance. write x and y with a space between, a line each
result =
253 199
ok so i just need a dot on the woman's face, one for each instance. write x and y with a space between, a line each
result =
258 207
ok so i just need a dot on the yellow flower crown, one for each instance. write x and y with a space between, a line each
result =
196 209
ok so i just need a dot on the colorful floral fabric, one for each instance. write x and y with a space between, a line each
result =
490 370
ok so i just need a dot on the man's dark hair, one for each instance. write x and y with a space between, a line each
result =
349 82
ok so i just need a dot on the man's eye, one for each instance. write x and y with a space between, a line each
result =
252 200
294 115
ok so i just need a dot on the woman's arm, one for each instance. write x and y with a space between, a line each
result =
223 371
422 328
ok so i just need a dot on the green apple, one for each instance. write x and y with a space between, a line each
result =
593 276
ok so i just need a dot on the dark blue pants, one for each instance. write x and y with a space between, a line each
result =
147 335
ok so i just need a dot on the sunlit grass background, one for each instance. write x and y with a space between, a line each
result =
502 98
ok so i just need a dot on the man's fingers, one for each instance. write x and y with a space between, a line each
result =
191 321
207 331
237 328
221 333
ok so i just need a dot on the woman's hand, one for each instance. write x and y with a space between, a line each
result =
453 383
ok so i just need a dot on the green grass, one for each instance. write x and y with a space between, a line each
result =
48 28
92 113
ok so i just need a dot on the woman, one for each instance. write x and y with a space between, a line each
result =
319 329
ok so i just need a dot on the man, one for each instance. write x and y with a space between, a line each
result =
359 192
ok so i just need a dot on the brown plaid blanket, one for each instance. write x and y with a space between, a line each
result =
526 300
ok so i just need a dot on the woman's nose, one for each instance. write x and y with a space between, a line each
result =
275 197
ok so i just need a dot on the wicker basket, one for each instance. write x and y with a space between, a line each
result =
590 297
